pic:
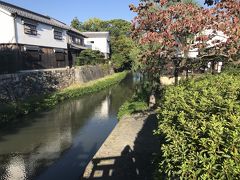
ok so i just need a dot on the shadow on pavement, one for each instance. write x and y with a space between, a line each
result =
133 164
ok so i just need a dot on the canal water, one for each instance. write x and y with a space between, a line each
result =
59 143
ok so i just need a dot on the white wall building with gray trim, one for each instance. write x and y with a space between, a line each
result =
14 20
29 40
44 37
98 41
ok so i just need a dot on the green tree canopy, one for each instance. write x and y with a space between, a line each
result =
122 47
121 43
116 27
75 23
93 24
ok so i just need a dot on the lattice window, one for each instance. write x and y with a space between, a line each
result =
58 35
60 56
30 29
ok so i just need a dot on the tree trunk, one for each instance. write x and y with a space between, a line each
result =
152 100
176 70
213 67
187 75
176 77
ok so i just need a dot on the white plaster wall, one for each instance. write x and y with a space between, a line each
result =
193 53
100 43
45 36
219 35
7 33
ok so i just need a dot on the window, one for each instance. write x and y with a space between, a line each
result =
77 41
33 53
30 29
60 56
32 59
90 42
34 56
58 34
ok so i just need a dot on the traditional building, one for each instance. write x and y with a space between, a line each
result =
29 40
214 38
75 41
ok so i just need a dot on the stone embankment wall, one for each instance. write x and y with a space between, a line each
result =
21 85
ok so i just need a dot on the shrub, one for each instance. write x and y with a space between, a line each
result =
231 68
90 57
201 123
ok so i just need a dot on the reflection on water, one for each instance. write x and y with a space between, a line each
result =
59 143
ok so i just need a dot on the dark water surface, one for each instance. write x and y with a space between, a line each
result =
59 143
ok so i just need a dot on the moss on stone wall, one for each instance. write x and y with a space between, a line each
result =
20 86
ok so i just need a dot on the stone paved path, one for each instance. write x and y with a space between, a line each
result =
128 152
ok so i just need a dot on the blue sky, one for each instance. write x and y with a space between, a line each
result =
66 10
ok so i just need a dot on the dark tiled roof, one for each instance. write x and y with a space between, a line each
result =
32 15
77 31
95 34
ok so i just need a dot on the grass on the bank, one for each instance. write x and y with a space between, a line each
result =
10 112
132 106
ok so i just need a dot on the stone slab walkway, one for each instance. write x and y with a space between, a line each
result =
128 152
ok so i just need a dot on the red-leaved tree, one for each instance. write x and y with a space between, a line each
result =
170 30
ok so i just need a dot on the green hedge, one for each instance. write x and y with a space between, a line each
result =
200 120
89 56
10 112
